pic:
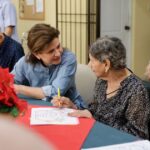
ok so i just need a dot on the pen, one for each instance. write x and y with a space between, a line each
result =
58 92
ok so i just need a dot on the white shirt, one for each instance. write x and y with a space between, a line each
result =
8 17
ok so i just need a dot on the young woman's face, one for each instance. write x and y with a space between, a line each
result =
51 54
97 67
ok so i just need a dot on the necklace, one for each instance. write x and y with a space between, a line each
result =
112 91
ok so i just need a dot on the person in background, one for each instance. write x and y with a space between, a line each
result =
8 19
10 51
120 99
46 67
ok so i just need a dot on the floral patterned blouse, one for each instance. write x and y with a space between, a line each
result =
127 110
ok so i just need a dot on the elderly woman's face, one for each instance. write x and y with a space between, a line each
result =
97 67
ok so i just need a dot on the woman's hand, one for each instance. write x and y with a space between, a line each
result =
63 102
81 113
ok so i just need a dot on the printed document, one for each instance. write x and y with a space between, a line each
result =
59 116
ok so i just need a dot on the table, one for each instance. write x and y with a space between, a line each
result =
100 134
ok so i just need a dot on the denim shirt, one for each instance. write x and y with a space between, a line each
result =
50 78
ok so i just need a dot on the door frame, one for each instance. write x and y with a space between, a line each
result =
129 52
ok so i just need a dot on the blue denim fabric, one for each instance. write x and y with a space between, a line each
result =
52 77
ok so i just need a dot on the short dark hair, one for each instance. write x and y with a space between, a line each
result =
109 48
39 37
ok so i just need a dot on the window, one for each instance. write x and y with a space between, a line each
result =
77 22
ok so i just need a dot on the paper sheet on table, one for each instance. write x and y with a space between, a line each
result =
41 116
138 145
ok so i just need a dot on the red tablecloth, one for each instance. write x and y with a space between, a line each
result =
64 137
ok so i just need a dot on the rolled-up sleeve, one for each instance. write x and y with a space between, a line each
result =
19 71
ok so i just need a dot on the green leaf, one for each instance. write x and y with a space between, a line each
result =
4 109
14 111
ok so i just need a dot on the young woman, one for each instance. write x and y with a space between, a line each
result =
47 67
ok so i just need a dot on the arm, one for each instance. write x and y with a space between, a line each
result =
66 102
93 105
21 72
64 78
81 113
137 114
63 102
33 92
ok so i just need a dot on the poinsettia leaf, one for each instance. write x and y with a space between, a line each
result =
8 97
14 111
4 109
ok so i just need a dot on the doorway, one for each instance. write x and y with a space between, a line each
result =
115 20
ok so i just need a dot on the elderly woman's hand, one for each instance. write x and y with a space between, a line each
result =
63 102
81 113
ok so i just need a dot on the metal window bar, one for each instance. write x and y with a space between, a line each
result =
76 21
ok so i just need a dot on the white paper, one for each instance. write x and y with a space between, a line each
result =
138 145
39 6
30 2
41 116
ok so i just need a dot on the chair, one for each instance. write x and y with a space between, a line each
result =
85 81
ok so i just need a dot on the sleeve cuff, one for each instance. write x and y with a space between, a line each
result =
47 91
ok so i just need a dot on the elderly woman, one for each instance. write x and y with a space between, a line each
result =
120 99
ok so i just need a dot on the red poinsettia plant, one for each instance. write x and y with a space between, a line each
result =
9 101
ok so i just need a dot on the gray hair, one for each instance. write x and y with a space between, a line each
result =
109 48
